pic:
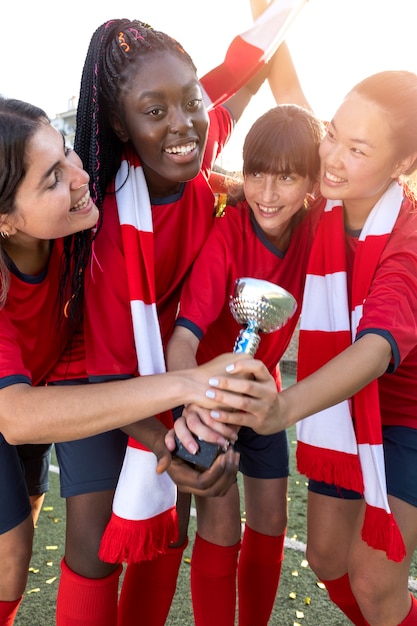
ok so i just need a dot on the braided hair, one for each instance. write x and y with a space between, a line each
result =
116 50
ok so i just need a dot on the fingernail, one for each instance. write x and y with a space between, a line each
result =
215 414
214 382
210 394
230 368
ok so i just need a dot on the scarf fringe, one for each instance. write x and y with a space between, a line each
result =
133 541
380 531
330 466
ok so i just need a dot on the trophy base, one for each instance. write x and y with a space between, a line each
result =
205 456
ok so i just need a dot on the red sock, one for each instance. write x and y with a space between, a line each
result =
87 601
411 619
8 611
213 583
258 576
341 594
148 589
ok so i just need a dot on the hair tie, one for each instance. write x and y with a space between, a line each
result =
122 43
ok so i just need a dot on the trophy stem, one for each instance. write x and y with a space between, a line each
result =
248 340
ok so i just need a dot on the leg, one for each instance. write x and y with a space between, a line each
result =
262 548
36 503
264 462
36 460
331 523
15 555
214 559
384 598
155 580
88 588
16 532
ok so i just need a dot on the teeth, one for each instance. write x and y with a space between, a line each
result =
181 149
266 209
81 204
333 178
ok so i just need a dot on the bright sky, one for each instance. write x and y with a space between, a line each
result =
334 44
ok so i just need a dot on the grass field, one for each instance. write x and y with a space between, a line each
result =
300 600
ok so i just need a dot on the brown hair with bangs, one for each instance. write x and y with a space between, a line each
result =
284 140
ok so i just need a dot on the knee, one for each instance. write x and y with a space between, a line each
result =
370 596
324 562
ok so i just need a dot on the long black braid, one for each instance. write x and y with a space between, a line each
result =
116 48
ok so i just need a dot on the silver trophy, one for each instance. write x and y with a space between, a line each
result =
261 307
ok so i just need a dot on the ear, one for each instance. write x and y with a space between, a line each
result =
7 226
405 166
119 127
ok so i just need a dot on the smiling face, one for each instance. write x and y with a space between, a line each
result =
274 200
166 121
52 199
358 159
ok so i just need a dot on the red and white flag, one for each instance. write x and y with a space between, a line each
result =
249 51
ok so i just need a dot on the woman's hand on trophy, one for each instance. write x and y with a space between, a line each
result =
251 393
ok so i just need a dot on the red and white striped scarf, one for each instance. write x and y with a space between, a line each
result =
330 448
143 521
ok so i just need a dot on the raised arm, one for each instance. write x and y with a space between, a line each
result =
282 75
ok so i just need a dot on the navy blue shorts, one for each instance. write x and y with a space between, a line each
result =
400 452
263 456
91 464
24 471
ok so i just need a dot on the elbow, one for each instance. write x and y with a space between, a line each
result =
12 436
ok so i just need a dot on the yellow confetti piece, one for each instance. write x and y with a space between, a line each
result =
307 601
296 624
320 585
56 520
299 614
50 580
48 508
49 563
292 595
294 572
51 547
297 482
187 560
35 590
304 563
34 570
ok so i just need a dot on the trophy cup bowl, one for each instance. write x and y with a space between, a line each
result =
260 307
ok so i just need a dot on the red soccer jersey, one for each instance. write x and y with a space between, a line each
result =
237 247
31 343
181 224
391 310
